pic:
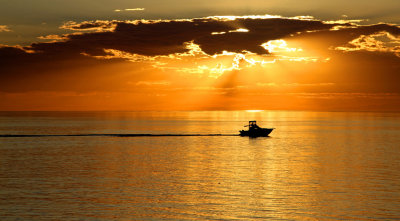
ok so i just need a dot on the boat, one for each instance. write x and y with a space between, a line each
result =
255 130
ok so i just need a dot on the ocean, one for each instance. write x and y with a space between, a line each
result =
313 166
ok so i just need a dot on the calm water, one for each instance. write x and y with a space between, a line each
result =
314 166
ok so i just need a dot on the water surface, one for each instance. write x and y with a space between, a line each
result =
314 165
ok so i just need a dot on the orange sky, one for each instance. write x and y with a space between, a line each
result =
212 63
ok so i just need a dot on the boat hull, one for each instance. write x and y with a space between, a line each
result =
262 132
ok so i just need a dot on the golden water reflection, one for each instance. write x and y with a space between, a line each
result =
314 166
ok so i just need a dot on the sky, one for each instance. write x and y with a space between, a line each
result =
199 55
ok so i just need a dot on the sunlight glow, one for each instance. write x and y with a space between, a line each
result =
278 46
218 33
240 30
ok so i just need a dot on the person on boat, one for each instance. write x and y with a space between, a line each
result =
253 125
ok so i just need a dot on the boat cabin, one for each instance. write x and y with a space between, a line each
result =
253 125
255 130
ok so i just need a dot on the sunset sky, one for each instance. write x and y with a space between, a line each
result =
200 55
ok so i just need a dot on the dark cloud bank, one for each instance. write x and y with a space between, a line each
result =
58 65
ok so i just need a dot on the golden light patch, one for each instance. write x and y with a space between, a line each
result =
278 46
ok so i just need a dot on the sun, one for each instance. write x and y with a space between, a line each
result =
254 111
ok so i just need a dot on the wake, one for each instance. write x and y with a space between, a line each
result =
116 135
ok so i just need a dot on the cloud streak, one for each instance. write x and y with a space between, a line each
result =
4 28
129 9
98 25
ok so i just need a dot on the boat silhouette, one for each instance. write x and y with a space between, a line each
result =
255 130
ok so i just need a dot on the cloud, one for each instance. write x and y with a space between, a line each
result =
278 46
53 37
108 54
4 28
98 25
342 36
378 42
129 9
239 30
218 33
214 35
162 37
